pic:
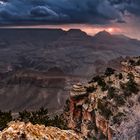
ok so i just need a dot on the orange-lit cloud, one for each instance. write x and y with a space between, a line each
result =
90 29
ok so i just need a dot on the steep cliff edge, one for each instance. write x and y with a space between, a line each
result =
107 106
23 131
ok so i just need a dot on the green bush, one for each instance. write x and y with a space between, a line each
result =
100 82
67 106
5 118
138 63
96 79
131 62
24 115
118 118
119 100
130 87
130 76
109 71
58 121
41 117
35 117
90 89
120 76
111 92
104 109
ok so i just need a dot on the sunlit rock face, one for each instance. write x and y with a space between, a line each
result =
107 106
22 131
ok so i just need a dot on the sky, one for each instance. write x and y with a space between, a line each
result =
91 16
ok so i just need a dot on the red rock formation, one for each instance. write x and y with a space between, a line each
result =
80 119
97 112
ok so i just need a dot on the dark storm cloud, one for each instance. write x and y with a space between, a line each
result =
65 11
42 11
132 6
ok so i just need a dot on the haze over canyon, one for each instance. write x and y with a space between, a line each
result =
39 66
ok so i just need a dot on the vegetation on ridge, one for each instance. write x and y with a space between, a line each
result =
35 117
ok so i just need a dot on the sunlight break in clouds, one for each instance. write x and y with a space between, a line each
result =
89 29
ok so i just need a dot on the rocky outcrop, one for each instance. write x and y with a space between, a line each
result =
132 65
103 107
23 131
82 116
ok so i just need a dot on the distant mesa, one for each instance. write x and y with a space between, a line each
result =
76 32
103 34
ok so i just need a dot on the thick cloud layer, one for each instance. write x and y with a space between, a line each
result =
66 11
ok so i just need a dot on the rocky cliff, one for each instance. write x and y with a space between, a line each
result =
23 131
107 106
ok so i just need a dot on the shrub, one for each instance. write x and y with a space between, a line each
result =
138 63
35 117
67 106
58 121
110 82
130 87
41 117
96 79
90 89
119 100
120 76
104 109
131 62
100 82
111 92
130 76
118 118
5 117
104 87
109 71
24 115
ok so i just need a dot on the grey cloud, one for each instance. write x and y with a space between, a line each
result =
42 11
108 11
132 6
